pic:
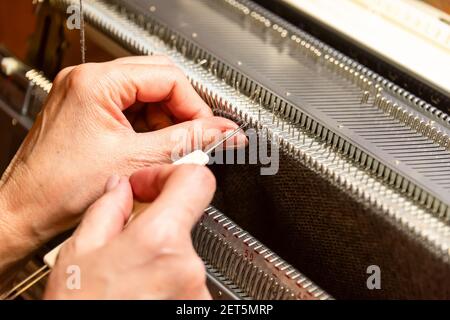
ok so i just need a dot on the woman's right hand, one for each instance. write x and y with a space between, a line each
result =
153 257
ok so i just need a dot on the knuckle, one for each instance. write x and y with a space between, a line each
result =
188 213
62 75
164 237
81 76
171 234
192 212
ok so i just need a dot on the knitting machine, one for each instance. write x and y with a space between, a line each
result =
364 142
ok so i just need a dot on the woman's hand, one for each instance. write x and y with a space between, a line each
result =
153 257
99 120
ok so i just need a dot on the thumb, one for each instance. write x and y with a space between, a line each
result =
106 217
171 143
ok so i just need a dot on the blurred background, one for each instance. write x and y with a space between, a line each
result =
17 22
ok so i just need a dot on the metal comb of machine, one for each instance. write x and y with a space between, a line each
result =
23 93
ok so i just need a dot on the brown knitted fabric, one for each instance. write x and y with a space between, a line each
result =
328 235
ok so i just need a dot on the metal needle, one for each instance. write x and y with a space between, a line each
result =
227 137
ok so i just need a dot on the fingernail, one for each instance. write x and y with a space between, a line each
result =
112 182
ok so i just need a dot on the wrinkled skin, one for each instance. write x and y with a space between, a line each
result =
153 257
99 120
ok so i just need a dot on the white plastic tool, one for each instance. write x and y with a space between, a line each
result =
50 258
202 157
196 157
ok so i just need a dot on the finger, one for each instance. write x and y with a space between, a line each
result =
147 183
178 140
158 83
107 217
182 194
156 59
